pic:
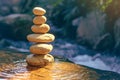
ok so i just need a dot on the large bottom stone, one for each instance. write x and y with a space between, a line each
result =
39 60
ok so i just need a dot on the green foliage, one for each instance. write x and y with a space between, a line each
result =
104 4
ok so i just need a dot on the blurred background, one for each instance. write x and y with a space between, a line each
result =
87 31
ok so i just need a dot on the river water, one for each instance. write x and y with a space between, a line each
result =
67 49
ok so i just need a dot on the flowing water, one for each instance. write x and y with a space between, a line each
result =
69 50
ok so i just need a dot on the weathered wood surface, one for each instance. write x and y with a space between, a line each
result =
56 71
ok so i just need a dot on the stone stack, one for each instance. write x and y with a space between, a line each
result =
41 38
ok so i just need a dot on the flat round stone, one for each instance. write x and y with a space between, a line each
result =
44 28
41 48
39 60
41 37
39 11
39 20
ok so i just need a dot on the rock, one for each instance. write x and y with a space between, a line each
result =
44 28
39 11
55 71
62 70
41 37
117 48
117 37
8 7
117 30
91 28
4 10
41 48
105 42
15 26
39 20
59 70
39 60
9 56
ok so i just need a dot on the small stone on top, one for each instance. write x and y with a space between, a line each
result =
39 11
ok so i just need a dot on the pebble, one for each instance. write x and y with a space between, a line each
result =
39 60
39 11
41 48
39 20
41 37
44 28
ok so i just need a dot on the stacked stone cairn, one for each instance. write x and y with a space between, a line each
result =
41 39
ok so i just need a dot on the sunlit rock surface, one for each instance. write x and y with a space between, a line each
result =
17 69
